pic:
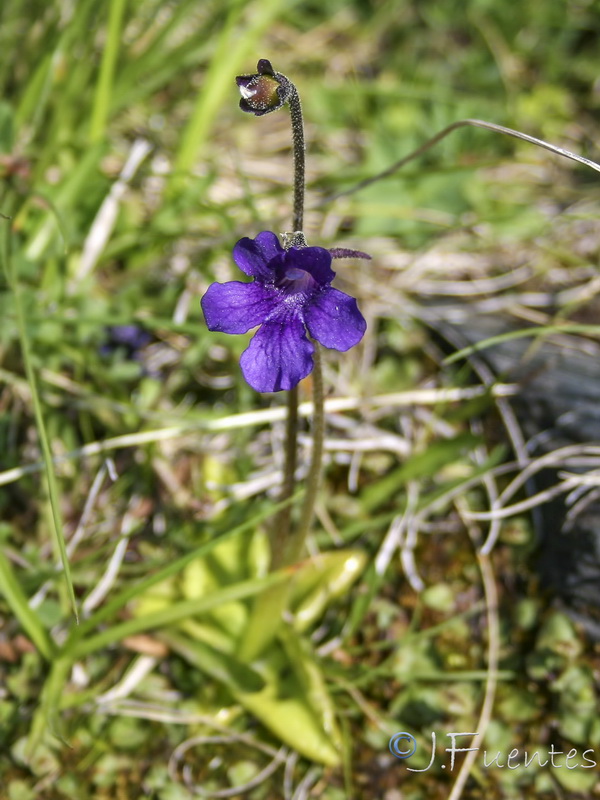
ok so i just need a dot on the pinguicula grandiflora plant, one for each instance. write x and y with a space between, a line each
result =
297 310
291 300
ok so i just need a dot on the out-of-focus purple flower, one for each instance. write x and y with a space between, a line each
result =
132 338
290 294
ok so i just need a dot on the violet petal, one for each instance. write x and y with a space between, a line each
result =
314 260
278 357
236 307
333 319
253 255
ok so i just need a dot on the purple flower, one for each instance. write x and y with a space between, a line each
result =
290 293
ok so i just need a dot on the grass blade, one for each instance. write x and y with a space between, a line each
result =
177 612
103 93
10 588
542 330
230 55
110 608
55 517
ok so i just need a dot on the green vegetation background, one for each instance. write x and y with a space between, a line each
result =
129 173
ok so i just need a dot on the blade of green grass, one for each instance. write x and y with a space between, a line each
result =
74 647
110 608
232 50
49 703
543 330
214 88
66 197
158 60
418 466
55 517
34 110
11 589
102 97
177 612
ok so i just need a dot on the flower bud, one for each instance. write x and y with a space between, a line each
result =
264 91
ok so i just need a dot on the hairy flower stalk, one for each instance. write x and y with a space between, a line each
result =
268 91
276 89
289 298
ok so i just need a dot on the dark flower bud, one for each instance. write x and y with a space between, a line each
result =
264 91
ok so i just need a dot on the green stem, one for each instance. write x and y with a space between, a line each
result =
281 526
295 545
